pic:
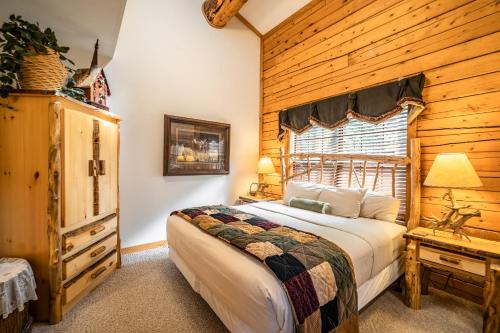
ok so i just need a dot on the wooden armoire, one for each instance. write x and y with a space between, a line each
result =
59 195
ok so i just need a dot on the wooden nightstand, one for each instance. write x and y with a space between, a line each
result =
478 259
244 199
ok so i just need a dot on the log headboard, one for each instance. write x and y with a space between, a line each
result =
316 163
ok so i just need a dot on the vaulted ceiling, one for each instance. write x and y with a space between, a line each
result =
78 23
266 14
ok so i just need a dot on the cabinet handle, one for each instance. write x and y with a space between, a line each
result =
98 251
98 272
102 168
97 230
69 247
451 260
93 168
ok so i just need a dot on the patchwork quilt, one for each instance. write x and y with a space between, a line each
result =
316 274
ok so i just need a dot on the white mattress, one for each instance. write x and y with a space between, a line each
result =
247 296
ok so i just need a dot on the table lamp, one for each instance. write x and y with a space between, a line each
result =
452 170
264 167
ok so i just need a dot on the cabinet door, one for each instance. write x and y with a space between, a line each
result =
78 184
108 178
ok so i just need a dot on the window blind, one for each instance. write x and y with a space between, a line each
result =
357 137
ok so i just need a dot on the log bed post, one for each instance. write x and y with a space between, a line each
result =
284 170
414 216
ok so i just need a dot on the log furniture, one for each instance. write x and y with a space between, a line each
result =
59 195
478 259
315 162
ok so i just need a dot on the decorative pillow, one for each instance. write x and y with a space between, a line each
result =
344 202
308 204
302 190
380 206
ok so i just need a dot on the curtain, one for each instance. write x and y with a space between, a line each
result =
374 105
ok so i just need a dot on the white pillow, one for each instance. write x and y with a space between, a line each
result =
302 190
380 207
344 202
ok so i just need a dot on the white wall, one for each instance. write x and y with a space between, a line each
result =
168 60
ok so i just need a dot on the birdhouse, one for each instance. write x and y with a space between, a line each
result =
93 82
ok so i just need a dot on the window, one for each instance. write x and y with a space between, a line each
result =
357 137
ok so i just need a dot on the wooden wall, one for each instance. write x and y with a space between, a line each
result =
331 47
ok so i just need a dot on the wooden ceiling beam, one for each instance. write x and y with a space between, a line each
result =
219 12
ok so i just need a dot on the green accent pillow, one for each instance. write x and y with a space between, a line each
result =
308 204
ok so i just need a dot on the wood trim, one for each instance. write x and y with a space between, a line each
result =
82 107
54 212
118 237
143 247
249 25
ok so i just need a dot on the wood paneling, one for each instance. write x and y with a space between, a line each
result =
332 46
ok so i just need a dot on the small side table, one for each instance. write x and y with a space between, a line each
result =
244 199
17 288
478 259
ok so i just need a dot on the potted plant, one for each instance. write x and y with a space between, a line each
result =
30 58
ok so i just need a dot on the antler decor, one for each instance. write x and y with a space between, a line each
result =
454 219
219 12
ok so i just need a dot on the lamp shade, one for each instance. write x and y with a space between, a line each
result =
452 170
265 166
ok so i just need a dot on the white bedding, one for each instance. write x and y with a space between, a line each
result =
243 292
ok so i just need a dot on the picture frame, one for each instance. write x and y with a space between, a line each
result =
195 147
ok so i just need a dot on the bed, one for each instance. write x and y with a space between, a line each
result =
246 296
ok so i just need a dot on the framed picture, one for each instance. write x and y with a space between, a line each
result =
195 147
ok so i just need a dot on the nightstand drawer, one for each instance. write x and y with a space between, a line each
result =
464 263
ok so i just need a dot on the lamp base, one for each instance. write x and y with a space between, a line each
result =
258 189
454 220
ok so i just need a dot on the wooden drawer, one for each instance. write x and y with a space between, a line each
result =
83 237
90 278
456 261
76 263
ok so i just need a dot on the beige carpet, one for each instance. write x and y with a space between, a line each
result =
149 294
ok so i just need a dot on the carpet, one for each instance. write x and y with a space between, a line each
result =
149 294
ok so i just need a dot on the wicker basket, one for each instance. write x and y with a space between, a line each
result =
42 72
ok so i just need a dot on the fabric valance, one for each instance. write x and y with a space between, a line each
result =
374 105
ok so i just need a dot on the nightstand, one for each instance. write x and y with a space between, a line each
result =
244 199
478 259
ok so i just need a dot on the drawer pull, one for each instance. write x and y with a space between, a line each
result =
102 168
451 260
98 251
69 247
97 230
98 272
